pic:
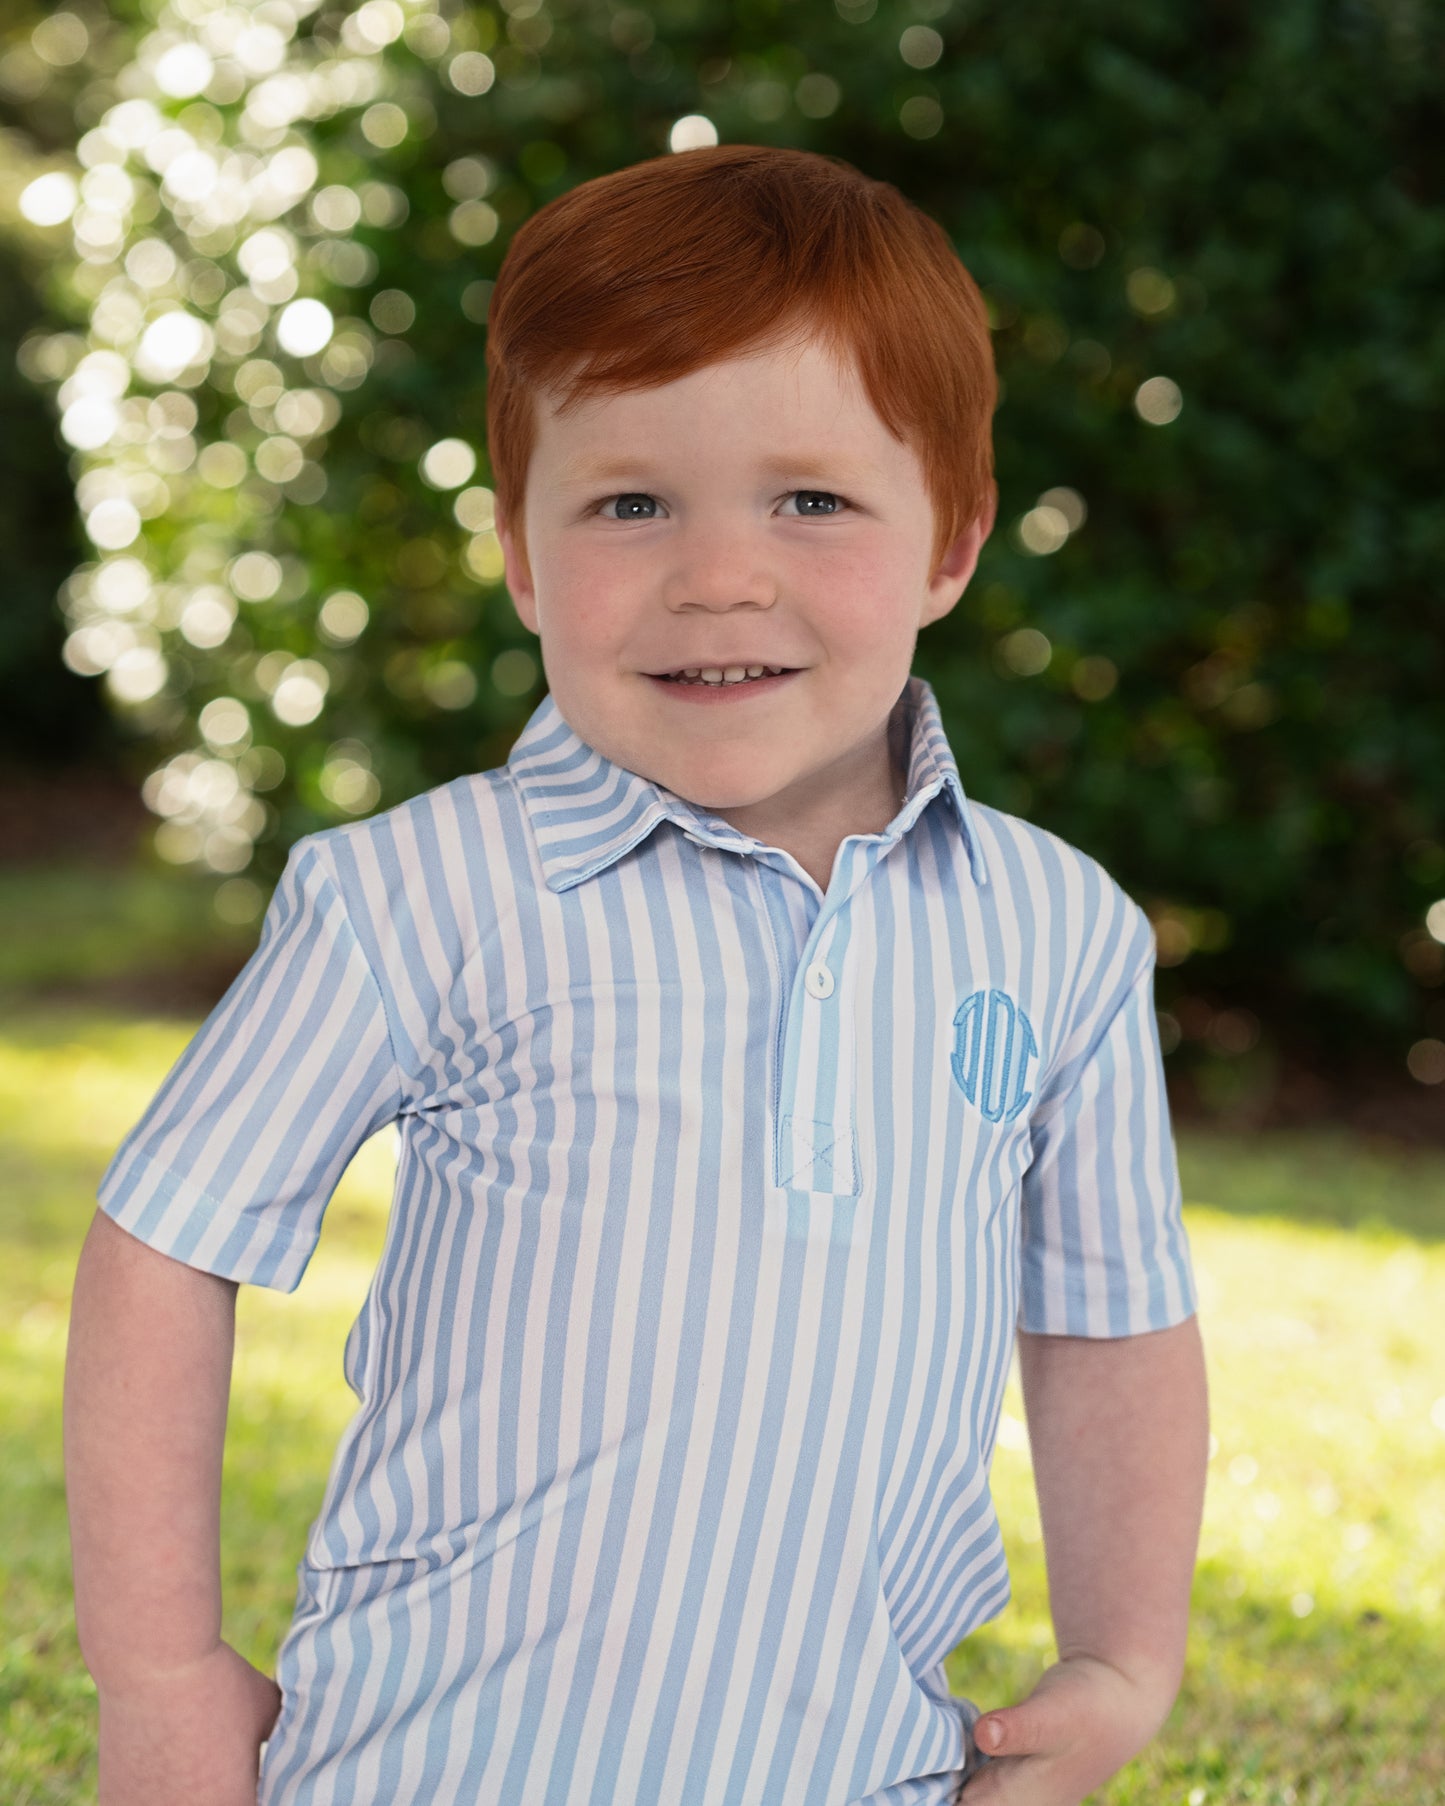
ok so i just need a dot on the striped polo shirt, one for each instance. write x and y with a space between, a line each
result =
719 1198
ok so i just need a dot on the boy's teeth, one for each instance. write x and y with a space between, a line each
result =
725 674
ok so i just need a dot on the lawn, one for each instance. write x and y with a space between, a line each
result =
1319 1635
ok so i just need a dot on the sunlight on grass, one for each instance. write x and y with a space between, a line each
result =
1319 1624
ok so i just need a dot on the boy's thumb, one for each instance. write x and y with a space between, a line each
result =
1013 1730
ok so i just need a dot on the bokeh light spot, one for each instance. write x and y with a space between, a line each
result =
301 693
222 465
121 586
279 459
137 675
1093 678
921 116
1150 291
378 23
184 70
469 178
476 509
225 722
692 132
239 901
920 46
1025 652
207 619
450 684
817 96
178 843
267 255
392 310
50 199
112 524
384 125
1158 400
335 208
474 223
304 328
483 557
172 344
1043 530
471 72
60 40
448 464
89 423
1067 502
343 617
255 576
349 784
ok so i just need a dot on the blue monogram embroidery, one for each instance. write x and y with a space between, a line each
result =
993 1044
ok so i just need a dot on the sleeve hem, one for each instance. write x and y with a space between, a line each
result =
1146 1323
201 1230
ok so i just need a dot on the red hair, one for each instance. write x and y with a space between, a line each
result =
637 278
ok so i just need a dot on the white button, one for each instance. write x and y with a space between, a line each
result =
819 980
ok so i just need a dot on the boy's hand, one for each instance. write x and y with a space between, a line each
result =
1080 1725
189 1736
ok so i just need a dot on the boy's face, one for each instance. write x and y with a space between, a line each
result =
755 512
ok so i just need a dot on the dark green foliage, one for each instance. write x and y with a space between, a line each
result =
47 714
1243 200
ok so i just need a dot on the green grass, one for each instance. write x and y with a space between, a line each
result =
62 926
1319 1633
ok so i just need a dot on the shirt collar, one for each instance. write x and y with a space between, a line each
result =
586 812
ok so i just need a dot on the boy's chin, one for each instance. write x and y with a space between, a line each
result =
717 794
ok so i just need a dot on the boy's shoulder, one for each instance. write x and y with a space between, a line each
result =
1021 853
449 809
1091 926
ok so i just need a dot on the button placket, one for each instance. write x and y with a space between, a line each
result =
816 1157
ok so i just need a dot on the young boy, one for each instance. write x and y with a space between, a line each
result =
754 1088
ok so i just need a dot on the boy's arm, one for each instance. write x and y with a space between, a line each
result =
148 1369
1119 1432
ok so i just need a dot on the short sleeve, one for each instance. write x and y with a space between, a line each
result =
236 1157
1104 1248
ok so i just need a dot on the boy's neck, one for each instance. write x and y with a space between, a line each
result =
866 806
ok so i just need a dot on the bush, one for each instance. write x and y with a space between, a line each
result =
1205 642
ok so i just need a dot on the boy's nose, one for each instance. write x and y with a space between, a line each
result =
718 568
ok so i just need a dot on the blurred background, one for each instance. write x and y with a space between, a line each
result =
252 583
246 252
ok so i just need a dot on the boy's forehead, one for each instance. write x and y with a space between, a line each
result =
792 424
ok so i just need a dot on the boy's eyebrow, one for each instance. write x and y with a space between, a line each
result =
807 466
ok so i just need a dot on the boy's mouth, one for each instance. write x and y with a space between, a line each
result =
719 676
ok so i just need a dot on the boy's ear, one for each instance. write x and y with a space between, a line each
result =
959 562
518 573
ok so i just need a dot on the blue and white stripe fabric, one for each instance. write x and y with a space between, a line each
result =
719 1199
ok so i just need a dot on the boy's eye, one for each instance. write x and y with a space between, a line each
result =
817 501
636 505
630 507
